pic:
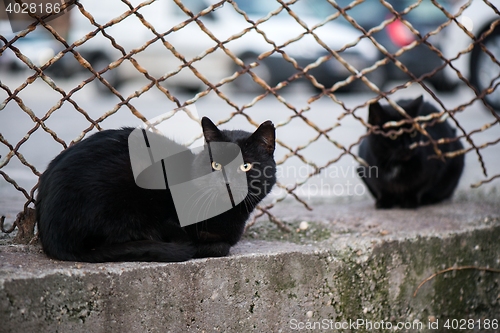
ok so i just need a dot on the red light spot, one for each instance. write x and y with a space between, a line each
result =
399 33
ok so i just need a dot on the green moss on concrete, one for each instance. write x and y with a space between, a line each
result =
348 270
263 293
381 286
315 232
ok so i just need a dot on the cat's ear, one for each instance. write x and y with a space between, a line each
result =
265 136
414 107
210 131
376 114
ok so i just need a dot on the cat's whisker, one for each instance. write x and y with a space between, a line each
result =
205 208
204 198
201 194
250 201
203 211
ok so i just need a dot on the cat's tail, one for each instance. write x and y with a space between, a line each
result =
144 250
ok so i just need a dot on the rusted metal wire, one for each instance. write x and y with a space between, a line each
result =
101 29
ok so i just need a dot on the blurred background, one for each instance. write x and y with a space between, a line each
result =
310 66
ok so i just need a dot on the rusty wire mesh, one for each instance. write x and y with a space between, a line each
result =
324 130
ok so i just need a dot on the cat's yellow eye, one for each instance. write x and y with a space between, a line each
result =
413 134
245 167
216 166
393 136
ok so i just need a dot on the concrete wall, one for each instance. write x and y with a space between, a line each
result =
367 272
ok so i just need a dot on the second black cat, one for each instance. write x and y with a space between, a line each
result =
89 207
400 176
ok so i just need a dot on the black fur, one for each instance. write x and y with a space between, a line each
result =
399 176
89 207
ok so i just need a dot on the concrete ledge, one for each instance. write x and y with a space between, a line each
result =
352 262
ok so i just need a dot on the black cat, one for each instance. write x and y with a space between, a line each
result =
89 207
399 176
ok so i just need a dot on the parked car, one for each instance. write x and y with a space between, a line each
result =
190 43
425 17
159 51
282 28
39 46
475 64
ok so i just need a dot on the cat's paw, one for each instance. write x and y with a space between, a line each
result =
384 203
410 204
219 249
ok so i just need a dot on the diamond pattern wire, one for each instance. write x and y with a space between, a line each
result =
200 19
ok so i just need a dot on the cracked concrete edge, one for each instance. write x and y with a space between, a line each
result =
262 286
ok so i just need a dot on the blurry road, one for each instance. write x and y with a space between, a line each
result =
338 180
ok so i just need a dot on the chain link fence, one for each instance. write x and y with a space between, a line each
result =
286 58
